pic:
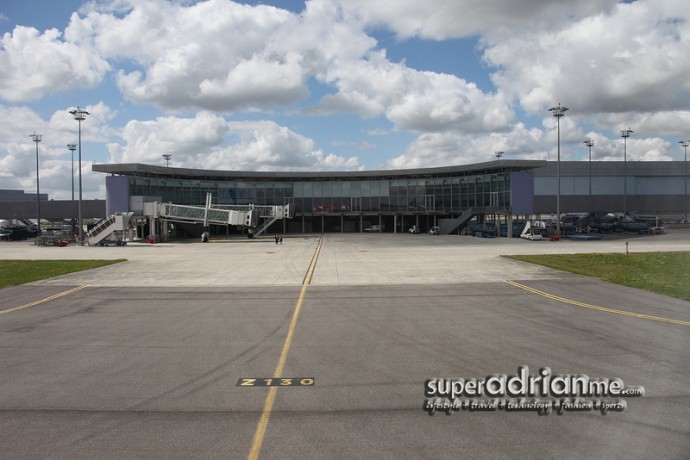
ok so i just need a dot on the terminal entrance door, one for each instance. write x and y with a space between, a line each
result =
429 202
493 199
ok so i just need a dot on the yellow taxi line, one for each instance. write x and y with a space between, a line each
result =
597 307
270 399
47 299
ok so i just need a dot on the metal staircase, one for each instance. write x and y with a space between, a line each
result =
448 226
106 227
275 214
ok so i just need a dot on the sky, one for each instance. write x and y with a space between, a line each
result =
336 85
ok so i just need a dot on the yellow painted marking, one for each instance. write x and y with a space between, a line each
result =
270 399
596 307
47 299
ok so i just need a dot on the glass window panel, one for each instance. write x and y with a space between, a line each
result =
336 189
327 189
365 188
356 189
384 189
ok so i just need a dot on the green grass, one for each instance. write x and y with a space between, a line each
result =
14 272
665 273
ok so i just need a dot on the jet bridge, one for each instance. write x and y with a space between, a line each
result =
256 218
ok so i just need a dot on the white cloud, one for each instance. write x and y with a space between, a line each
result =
442 19
646 149
631 60
671 123
202 142
219 55
18 151
448 148
413 100
33 64
184 138
18 122
266 146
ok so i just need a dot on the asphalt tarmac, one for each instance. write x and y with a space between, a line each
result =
321 347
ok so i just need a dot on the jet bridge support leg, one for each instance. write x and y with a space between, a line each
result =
164 230
153 227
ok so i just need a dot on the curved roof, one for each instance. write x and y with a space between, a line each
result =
143 170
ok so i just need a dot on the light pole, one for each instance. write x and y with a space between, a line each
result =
685 144
499 154
37 138
80 115
625 134
589 143
72 148
167 157
558 112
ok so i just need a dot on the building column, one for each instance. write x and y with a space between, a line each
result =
395 223
303 224
510 224
342 223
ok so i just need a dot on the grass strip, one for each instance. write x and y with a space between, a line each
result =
665 273
15 272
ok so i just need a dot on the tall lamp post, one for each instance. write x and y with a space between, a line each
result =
72 148
625 134
499 154
589 143
80 115
558 112
685 144
37 138
167 157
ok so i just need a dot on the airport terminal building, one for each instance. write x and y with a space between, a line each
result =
397 199
336 201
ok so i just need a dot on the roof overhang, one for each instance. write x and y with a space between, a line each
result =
143 170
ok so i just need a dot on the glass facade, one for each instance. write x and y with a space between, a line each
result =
449 193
